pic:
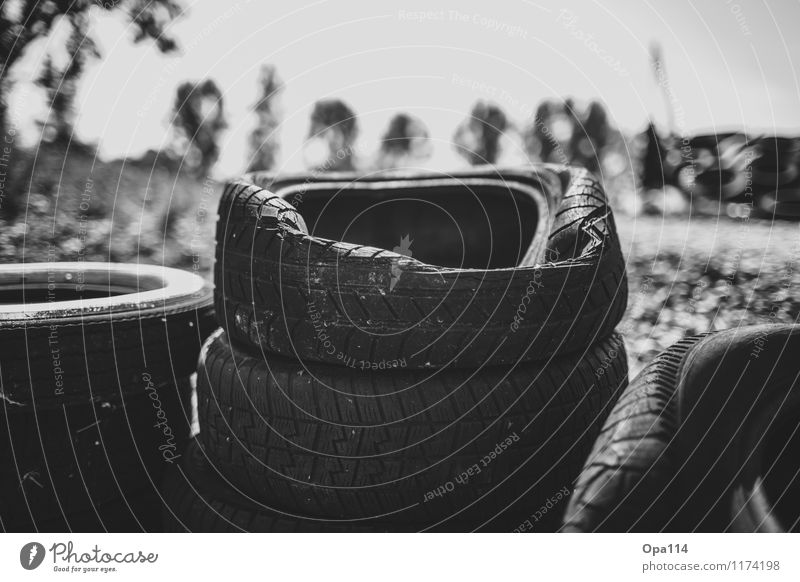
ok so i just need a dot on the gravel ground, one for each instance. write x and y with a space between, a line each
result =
690 275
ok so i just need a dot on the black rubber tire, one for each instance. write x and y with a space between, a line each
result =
139 511
287 292
334 442
68 456
766 496
684 448
624 481
198 499
135 321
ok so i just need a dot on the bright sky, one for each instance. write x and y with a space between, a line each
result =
730 64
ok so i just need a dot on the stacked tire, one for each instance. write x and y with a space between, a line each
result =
456 383
94 382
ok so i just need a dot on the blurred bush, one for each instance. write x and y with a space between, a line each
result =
477 138
405 143
264 142
330 146
198 122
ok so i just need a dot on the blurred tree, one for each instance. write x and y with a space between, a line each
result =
538 140
572 130
264 142
61 84
331 137
564 133
591 134
26 21
551 135
477 138
199 119
597 125
653 161
406 142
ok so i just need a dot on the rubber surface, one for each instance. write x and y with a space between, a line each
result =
329 441
69 456
686 447
198 499
284 291
624 482
138 511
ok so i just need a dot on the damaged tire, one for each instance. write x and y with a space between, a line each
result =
488 266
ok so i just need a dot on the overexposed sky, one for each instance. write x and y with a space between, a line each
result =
730 64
